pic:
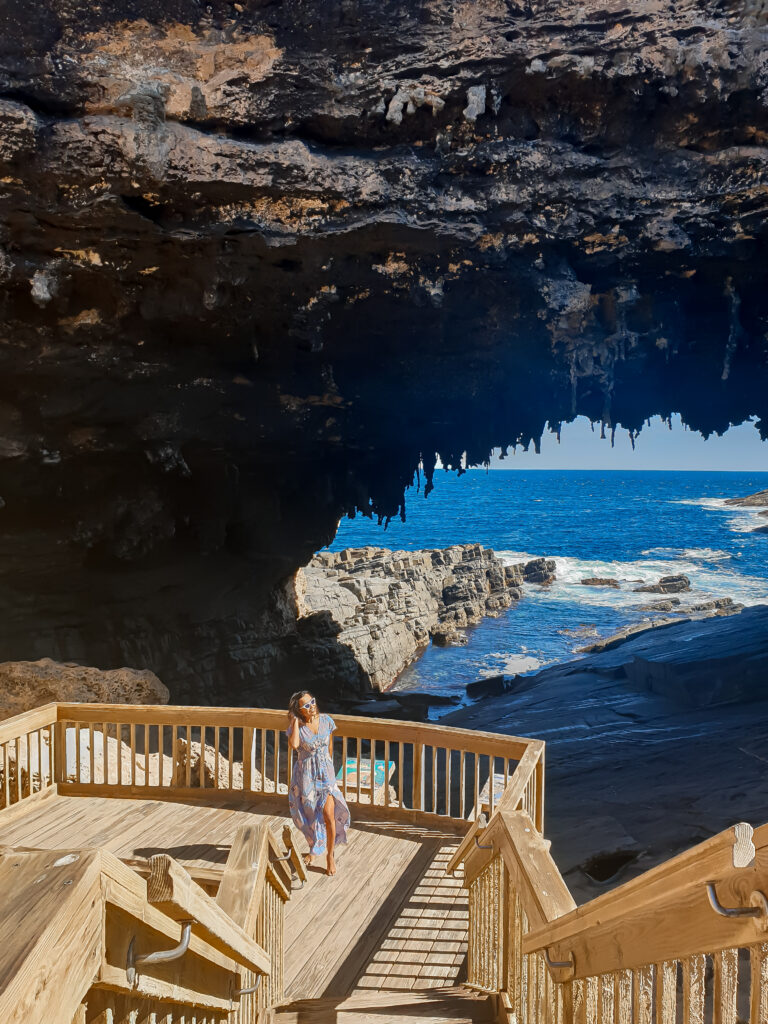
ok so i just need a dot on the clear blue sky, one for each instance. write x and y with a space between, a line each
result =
739 449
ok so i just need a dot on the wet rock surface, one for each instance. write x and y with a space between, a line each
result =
372 611
666 585
637 762
233 238
599 581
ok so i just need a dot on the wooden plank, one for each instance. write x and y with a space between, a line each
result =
666 992
725 986
171 890
642 995
51 942
694 968
28 721
533 872
248 735
758 1001
239 894
297 861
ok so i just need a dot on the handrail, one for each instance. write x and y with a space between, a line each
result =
622 929
547 959
403 770
28 755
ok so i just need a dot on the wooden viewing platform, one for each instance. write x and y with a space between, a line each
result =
149 874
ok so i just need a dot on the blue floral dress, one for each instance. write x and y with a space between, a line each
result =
312 780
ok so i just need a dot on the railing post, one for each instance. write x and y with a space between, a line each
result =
59 752
418 776
539 816
248 761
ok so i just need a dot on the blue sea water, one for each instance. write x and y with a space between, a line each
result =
634 526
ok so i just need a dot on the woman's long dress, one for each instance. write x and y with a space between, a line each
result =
312 780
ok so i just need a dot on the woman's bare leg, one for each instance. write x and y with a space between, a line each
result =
329 810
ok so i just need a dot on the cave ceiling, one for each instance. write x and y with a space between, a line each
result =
258 259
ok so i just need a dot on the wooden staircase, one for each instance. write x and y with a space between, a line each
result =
366 1006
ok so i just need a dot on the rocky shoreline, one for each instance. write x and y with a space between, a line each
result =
365 614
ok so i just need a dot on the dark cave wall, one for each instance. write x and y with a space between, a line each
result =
254 264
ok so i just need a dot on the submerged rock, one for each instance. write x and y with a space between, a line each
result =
599 581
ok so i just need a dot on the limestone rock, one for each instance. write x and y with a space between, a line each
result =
666 585
367 613
28 684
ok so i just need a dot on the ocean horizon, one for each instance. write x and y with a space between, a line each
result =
630 525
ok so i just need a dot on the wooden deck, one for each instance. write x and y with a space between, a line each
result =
389 919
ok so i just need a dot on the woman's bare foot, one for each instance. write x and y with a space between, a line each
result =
308 860
331 865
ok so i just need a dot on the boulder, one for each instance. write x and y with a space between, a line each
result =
666 585
28 684
492 686
660 606
599 581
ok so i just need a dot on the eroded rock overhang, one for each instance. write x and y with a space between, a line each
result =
257 259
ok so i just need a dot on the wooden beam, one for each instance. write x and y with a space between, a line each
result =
51 934
28 721
297 861
663 914
239 894
171 890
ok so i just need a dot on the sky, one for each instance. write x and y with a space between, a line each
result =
657 447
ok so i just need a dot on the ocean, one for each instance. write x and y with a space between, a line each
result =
633 526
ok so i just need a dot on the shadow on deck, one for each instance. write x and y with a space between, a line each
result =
390 919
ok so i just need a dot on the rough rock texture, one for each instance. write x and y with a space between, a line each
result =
235 237
28 684
759 500
600 581
631 770
373 610
666 585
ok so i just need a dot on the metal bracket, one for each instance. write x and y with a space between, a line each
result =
482 846
553 964
163 956
248 991
718 908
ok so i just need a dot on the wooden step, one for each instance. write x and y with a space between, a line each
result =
427 1006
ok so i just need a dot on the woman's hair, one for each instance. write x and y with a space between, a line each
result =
293 703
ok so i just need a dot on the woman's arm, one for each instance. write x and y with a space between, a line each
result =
293 732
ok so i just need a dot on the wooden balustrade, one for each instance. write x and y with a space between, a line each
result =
27 755
653 951
400 769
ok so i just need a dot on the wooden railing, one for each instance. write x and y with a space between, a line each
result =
27 755
419 771
81 925
653 951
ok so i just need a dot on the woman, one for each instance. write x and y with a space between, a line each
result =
317 806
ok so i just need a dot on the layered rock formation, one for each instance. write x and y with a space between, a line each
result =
235 237
369 612
652 746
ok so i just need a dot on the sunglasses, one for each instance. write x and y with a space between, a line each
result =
309 704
